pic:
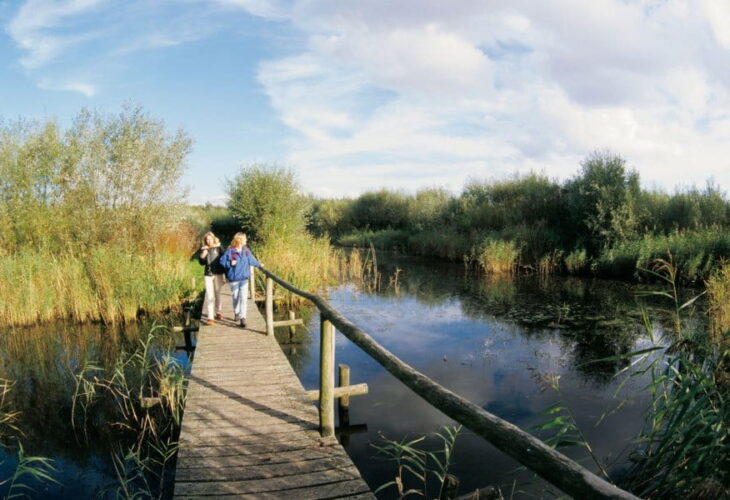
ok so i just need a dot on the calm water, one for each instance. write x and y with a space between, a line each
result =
495 343
42 361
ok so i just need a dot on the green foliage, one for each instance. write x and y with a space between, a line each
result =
496 256
602 199
576 261
417 465
146 392
107 179
38 469
266 201
600 220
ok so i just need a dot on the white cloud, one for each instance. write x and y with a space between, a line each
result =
32 26
87 89
483 88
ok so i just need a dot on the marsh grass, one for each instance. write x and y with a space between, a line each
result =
576 261
497 257
684 448
419 469
718 290
143 395
104 285
311 263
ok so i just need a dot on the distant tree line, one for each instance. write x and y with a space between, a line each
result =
600 220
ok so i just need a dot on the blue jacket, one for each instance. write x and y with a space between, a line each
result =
244 259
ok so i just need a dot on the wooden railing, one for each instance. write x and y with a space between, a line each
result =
551 465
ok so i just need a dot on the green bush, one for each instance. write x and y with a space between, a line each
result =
266 201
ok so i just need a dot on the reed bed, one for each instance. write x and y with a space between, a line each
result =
497 256
309 262
718 291
103 285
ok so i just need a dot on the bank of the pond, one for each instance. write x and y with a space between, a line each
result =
696 253
102 284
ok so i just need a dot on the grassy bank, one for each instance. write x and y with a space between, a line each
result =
598 222
105 285
90 219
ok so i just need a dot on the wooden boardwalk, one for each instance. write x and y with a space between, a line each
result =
249 430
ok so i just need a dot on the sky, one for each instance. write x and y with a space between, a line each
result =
356 95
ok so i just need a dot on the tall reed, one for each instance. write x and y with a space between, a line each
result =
104 284
497 256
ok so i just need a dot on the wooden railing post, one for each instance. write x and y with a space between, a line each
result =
327 379
269 306
251 283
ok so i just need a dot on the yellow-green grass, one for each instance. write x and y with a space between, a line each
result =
497 256
307 262
104 284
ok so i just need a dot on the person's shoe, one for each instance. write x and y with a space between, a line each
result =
243 322
218 316
210 322
236 318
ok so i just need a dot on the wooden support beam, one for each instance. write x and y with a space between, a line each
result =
251 283
289 322
342 392
292 317
185 328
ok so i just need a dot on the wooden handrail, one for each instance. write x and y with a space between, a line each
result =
551 465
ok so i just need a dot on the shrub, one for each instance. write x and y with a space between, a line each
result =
266 201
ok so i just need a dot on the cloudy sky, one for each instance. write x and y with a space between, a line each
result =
404 94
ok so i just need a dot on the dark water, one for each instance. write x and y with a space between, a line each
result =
42 361
495 342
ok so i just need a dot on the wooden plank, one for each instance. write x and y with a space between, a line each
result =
248 427
277 484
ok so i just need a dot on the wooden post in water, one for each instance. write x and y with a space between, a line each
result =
251 283
269 306
343 408
292 328
327 379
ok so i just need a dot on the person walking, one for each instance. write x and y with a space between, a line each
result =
237 261
210 257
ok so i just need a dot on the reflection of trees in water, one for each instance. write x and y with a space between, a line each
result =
592 319
299 347
43 360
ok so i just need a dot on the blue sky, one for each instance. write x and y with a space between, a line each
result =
405 94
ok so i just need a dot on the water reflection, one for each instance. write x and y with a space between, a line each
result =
42 362
493 342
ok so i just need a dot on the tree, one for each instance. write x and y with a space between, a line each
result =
603 199
266 201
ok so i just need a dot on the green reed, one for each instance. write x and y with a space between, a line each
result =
104 284
142 394
418 465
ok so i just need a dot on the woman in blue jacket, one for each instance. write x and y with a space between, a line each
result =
236 261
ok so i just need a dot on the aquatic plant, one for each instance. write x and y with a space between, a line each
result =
143 394
684 448
497 257
418 465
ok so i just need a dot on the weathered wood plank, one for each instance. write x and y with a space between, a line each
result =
276 484
249 428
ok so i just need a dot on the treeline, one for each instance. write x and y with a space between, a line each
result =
89 218
600 221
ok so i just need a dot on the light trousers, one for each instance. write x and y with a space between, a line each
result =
213 286
239 292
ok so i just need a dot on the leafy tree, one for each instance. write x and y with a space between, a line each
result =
266 201
603 200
